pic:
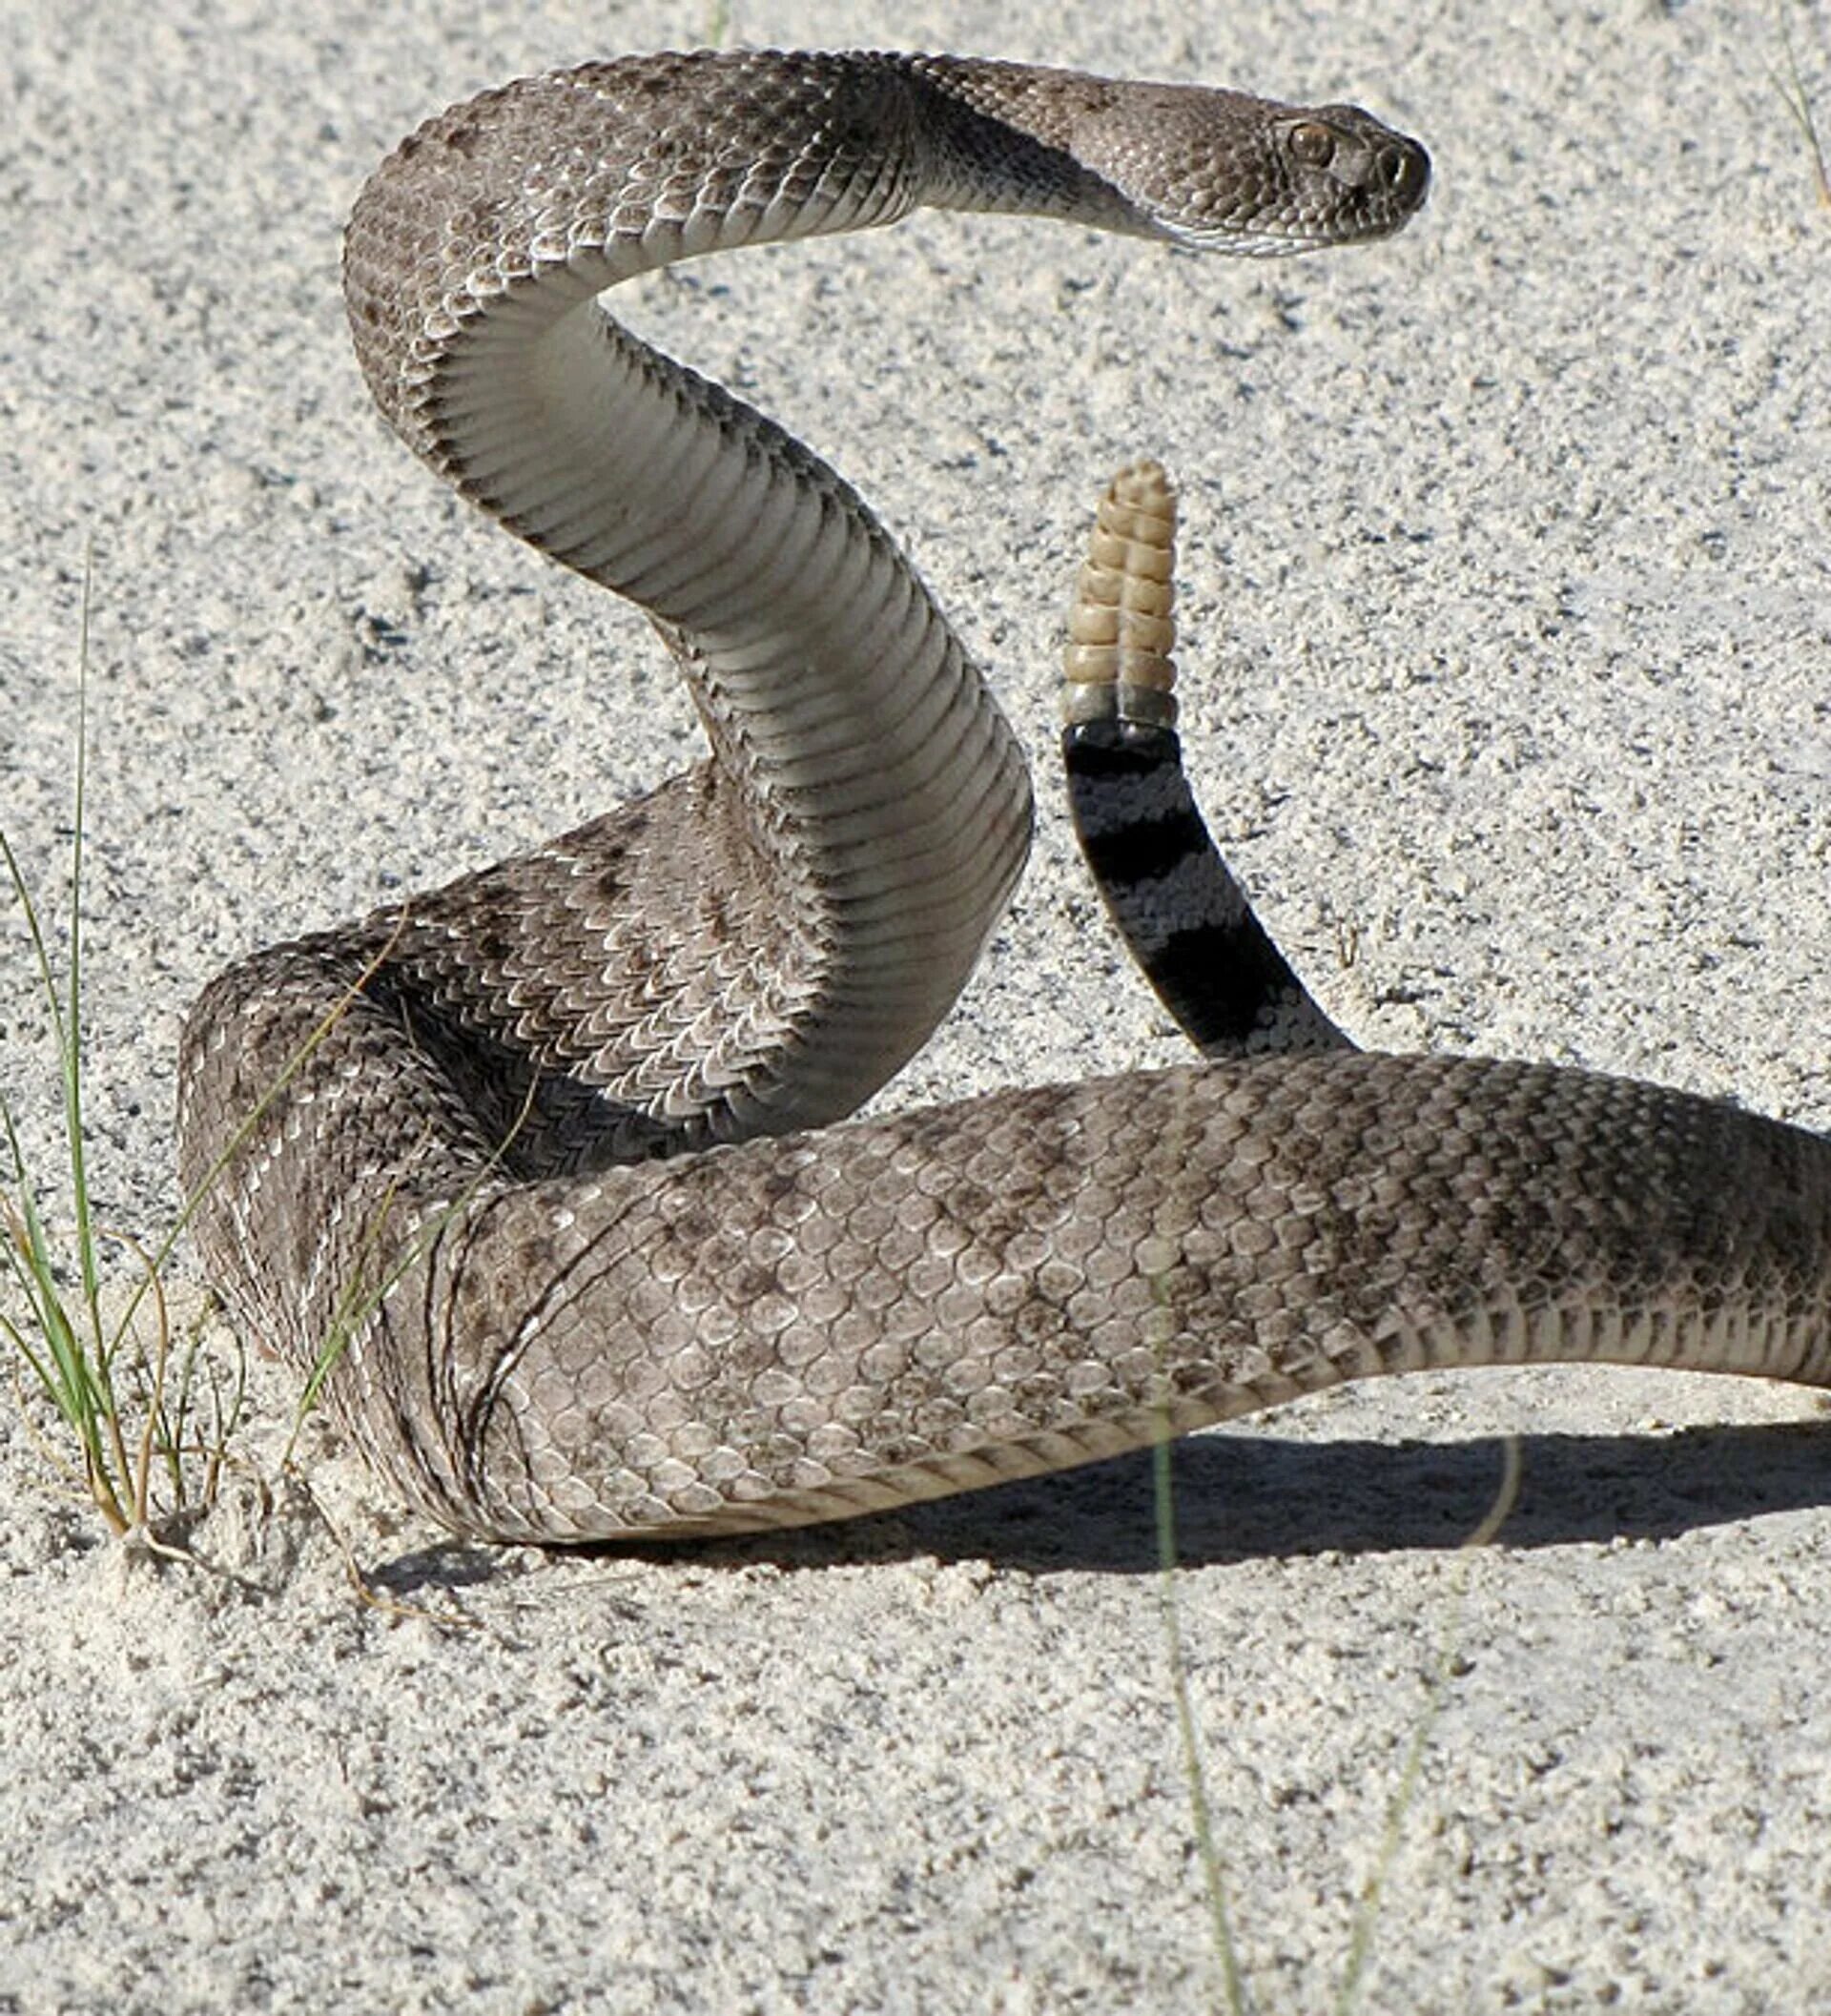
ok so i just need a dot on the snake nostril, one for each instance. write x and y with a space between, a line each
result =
1402 171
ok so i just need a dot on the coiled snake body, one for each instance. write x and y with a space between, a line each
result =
515 1150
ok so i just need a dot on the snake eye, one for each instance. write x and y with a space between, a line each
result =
1313 145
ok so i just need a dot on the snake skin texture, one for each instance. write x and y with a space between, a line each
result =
547 1171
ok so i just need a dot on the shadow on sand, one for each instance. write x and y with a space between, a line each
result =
1244 1496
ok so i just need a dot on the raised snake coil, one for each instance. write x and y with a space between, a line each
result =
514 1145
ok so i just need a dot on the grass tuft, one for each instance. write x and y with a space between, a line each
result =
149 1415
138 1417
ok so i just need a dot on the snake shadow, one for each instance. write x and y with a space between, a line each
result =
1250 1496
1245 1496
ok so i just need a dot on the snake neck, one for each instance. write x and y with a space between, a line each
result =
871 798
877 802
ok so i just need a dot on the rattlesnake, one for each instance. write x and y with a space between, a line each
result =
540 1165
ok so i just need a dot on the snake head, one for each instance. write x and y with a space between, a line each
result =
1345 164
1219 172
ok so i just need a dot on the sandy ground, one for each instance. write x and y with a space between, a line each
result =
1508 606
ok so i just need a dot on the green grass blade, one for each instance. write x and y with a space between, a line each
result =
74 1359
70 1026
192 1202
1201 1807
1367 1911
358 1303
66 1374
1798 101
